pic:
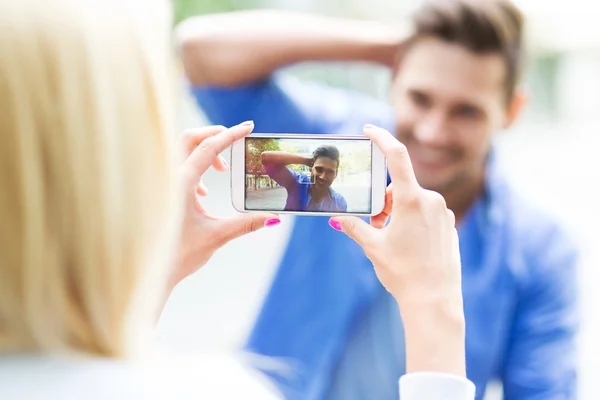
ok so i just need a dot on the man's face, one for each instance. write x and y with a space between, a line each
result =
324 172
448 103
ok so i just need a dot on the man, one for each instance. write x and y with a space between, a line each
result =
455 84
306 193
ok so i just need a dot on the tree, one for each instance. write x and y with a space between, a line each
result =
187 8
254 148
359 160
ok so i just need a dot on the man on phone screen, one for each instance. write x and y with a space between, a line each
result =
307 193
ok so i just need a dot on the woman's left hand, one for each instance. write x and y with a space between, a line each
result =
203 233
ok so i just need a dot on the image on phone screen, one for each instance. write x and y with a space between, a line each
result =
314 175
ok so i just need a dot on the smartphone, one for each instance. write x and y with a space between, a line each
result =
306 174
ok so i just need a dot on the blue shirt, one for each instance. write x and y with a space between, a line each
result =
329 318
298 193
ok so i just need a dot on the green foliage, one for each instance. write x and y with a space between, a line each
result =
254 148
360 160
186 8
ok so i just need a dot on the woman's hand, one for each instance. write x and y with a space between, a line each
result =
203 233
416 257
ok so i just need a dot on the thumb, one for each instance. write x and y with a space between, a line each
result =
234 227
356 229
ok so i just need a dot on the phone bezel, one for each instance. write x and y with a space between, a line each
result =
238 173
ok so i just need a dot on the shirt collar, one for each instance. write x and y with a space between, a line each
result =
488 213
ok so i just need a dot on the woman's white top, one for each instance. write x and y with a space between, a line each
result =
435 386
211 377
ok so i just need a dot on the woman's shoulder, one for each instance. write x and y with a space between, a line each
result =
161 376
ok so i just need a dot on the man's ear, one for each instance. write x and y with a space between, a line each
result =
515 107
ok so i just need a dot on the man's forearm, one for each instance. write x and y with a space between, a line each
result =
282 158
241 47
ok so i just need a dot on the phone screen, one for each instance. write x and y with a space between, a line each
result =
308 175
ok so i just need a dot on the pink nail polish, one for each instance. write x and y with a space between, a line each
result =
369 126
272 222
247 123
335 224
225 163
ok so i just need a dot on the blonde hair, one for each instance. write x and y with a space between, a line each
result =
88 203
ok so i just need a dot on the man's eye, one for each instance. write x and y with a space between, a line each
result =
466 111
419 99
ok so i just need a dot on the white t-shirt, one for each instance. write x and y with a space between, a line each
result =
211 377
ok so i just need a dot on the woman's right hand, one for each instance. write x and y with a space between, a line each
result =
416 257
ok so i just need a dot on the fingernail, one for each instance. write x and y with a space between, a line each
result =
370 126
225 163
247 123
335 224
272 222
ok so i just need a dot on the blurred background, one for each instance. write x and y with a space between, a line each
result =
551 154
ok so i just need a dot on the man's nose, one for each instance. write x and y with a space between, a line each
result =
432 129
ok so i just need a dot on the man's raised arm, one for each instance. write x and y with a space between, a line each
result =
242 47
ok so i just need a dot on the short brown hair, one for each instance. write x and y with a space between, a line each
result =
481 26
